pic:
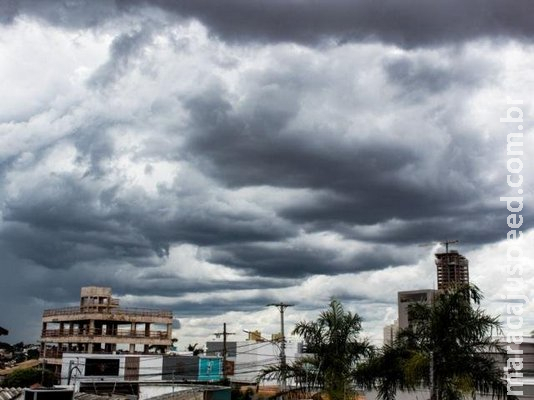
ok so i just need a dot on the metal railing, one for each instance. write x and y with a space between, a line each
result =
52 333
56 353
142 312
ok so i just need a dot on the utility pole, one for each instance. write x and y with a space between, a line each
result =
224 334
283 366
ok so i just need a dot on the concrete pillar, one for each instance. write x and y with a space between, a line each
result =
91 327
61 328
147 329
145 348
71 329
90 348
132 348
133 329
169 331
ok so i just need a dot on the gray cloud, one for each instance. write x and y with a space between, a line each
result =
124 48
299 261
188 164
408 23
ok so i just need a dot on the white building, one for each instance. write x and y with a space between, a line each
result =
144 375
390 332
246 359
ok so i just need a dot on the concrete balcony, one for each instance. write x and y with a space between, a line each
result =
108 314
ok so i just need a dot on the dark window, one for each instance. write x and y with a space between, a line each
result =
101 367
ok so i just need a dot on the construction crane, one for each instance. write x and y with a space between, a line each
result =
444 242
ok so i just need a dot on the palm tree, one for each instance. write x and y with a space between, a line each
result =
448 348
303 373
335 347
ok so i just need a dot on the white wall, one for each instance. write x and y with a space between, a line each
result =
149 391
253 356
150 367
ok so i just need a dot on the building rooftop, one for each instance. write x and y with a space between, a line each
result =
10 393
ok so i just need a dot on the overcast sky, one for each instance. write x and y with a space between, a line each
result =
212 157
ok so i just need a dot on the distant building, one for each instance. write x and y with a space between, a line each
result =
390 332
410 297
452 269
246 359
99 325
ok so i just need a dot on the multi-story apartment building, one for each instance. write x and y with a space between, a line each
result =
99 325
452 269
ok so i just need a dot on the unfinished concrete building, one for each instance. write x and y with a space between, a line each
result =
99 325
452 269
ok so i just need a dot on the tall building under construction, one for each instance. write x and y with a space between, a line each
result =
452 269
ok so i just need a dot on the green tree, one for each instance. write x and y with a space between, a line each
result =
28 376
335 346
193 348
33 354
447 347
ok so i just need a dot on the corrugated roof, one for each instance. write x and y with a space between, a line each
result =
10 393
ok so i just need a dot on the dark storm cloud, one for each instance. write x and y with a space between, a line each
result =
407 23
67 228
302 127
360 182
476 227
64 219
256 149
218 305
299 261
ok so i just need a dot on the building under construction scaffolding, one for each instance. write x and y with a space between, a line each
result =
452 269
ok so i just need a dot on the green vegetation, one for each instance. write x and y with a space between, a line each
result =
334 347
29 376
446 348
